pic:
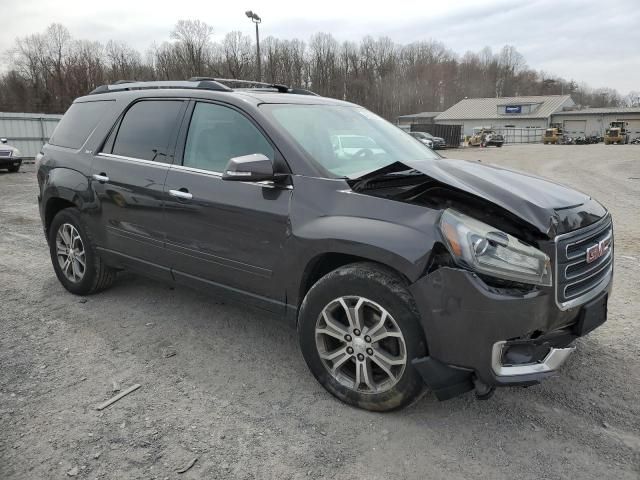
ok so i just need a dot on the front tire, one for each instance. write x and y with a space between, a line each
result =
14 169
77 264
359 329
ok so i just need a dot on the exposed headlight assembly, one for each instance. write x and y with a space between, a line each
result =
484 249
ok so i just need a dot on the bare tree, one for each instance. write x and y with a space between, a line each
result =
48 70
632 99
237 53
193 45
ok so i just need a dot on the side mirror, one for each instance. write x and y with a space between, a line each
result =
249 168
3 140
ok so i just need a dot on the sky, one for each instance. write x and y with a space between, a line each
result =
588 41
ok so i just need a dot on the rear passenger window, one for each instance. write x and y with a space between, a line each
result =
78 123
146 129
217 134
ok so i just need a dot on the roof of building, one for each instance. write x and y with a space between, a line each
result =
600 111
421 115
28 116
487 108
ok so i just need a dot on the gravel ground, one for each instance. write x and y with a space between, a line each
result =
229 386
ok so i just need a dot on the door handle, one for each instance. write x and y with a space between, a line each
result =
101 177
182 194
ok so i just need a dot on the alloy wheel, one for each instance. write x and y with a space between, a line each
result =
361 345
71 253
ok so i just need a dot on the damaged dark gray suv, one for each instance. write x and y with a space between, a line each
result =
399 268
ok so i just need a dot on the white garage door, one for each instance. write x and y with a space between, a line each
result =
575 128
634 128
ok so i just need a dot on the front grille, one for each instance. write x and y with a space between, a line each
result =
576 279
5 153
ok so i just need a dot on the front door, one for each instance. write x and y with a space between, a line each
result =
128 176
226 235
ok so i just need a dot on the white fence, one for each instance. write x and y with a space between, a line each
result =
27 131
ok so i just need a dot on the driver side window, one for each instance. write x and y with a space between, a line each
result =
217 134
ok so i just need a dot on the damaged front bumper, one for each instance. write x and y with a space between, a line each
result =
484 336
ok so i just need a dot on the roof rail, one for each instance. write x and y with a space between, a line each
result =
281 88
203 83
123 85
248 83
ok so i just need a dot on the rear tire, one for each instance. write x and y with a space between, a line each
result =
348 362
71 246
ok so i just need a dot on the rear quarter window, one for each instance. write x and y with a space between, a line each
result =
78 123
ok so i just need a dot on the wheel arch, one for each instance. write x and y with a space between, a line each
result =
53 207
324 263
64 188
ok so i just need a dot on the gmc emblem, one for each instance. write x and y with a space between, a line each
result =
596 251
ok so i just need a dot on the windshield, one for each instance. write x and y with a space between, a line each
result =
355 141
346 141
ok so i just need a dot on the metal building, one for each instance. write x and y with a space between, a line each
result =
27 131
519 119
594 121
405 121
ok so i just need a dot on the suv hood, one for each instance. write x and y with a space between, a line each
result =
551 208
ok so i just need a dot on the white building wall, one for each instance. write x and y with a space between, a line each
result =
597 123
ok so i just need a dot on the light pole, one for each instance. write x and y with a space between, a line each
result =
255 18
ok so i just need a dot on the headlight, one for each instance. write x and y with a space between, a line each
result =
16 153
486 250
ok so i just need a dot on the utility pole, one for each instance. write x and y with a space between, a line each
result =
255 18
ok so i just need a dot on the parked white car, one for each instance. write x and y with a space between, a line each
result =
10 156
348 146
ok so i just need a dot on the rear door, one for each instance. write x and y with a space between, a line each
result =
128 176
225 235
633 128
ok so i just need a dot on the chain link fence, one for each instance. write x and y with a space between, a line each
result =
521 135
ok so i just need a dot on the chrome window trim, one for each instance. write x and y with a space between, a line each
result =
211 173
133 159
197 170
597 289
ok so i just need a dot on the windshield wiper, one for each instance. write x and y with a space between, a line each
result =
393 171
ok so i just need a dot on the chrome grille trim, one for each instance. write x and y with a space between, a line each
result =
590 278
569 285
589 239
598 262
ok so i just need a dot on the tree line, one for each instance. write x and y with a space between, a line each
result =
48 70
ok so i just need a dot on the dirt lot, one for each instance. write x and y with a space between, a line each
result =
237 395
